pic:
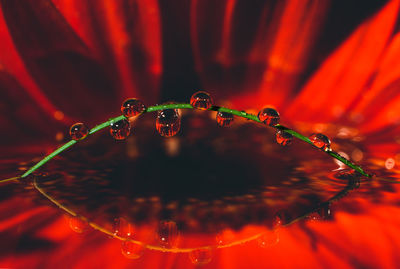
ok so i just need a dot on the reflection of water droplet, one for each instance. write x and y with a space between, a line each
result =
122 228
269 116
224 119
132 107
201 256
283 138
167 234
322 213
132 250
168 122
78 131
268 239
321 141
278 220
77 224
201 100
120 129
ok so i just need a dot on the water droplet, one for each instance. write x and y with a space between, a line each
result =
321 141
123 228
78 131
283 138
132 250
78 225
279 219
120 129
201 256
201 100
168 122
322 213
132 107
167 234
269 116
268 239
224 119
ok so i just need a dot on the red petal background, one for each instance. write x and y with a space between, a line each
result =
64 60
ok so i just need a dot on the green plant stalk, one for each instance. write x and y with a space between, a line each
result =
238 113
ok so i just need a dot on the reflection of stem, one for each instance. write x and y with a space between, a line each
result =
242 114
9 179
110 233
350 185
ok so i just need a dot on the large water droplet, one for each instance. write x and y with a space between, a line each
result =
77 224
201 256
268 116
224 119
201 100
78 131
122 228
167 234
132 107
132 250
120 129
168 122
321 141
283 138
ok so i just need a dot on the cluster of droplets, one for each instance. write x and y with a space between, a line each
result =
168 121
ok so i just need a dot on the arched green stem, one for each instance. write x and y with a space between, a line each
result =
238 113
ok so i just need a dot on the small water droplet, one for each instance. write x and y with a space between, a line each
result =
77 224
78 131
122 228
322 213
283 138
201 100
268 116
167 234
224 119
120 129
132 107
268 239
201 256
321 141
132 250
279 219
168 122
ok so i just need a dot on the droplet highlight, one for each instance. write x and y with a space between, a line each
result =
322 213
268 239
132 107
224 119
77 224
120 129
122 228
321 141
78 131
201 100
168 122
201 256
132 250
269 116
283 138
167 234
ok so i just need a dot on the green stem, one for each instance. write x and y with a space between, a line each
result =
238 113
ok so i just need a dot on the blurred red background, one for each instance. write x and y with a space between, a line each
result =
317 62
